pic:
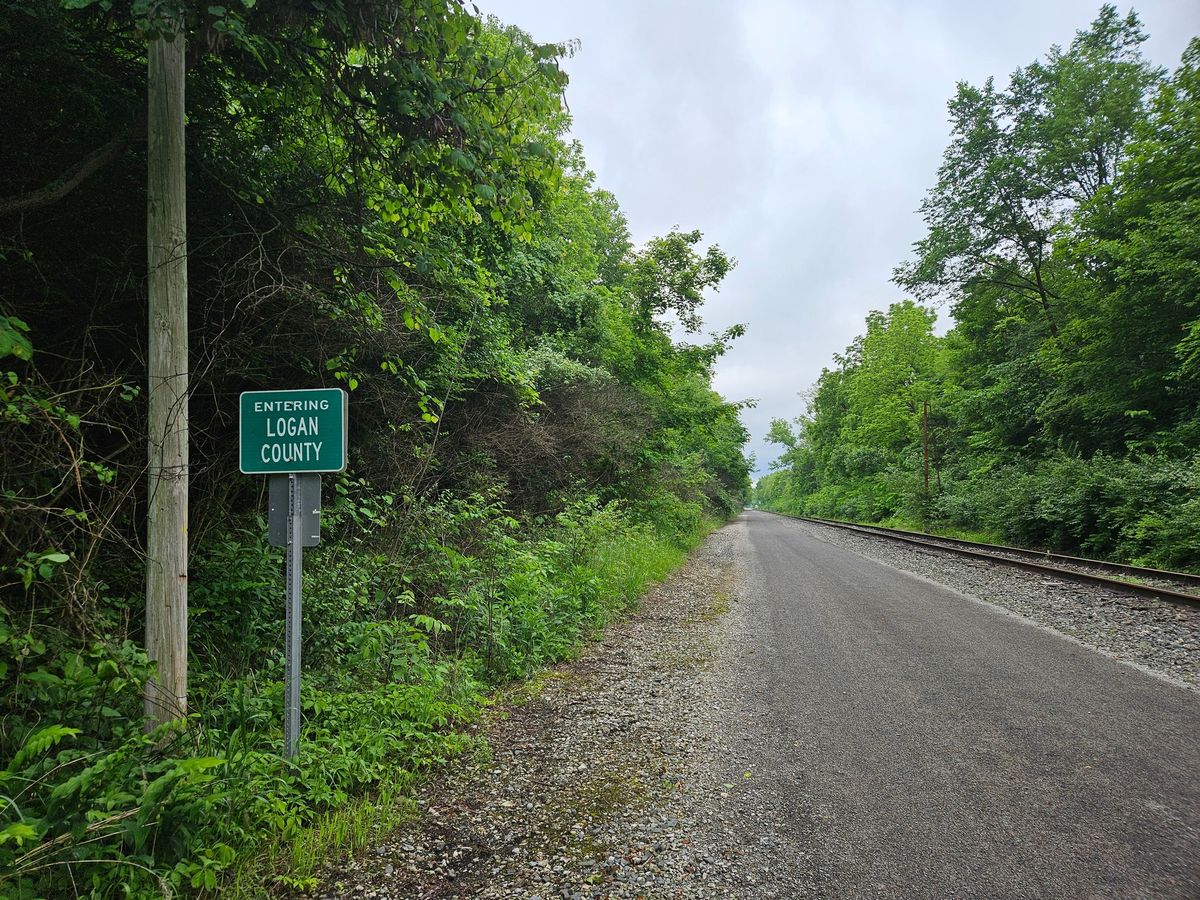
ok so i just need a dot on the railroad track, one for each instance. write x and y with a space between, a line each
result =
1175 587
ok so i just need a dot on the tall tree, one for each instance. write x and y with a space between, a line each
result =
1020 161
1134 253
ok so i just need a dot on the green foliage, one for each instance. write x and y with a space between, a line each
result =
1020 161
381 197
668 276
382 704
13 340
1141 508
1063 403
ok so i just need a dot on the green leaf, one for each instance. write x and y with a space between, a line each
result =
39 742
12 338
17 833
462 161
197 764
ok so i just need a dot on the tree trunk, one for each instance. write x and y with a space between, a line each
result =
925 441
1044 299
167 426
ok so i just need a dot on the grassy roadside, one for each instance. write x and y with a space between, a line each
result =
292 861
406 645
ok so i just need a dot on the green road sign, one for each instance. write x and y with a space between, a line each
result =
293 431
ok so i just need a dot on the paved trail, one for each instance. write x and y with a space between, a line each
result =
936 746
788 718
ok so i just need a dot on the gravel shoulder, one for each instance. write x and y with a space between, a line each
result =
617 774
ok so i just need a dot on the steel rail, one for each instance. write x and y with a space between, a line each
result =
1188 578
963 548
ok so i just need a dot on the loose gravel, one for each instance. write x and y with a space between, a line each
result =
617 775
1156 635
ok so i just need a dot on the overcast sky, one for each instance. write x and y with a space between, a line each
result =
800 136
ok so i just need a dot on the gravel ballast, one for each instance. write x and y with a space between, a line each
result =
1159 636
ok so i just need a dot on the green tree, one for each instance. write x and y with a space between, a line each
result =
1133 253
1063 229
1021 160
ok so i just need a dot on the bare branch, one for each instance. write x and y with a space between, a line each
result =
68 181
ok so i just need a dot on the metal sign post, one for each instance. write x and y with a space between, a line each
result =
295 596
294 522
291 436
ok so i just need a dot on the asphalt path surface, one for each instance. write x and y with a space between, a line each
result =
923 744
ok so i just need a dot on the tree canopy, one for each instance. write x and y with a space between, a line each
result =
1063 402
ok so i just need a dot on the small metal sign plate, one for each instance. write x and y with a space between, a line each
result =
279 522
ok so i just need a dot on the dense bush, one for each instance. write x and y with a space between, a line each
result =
382 198
392 670
1141 508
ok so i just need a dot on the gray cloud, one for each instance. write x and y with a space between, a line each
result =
801 136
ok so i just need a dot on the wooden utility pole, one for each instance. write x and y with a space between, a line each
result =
167 426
